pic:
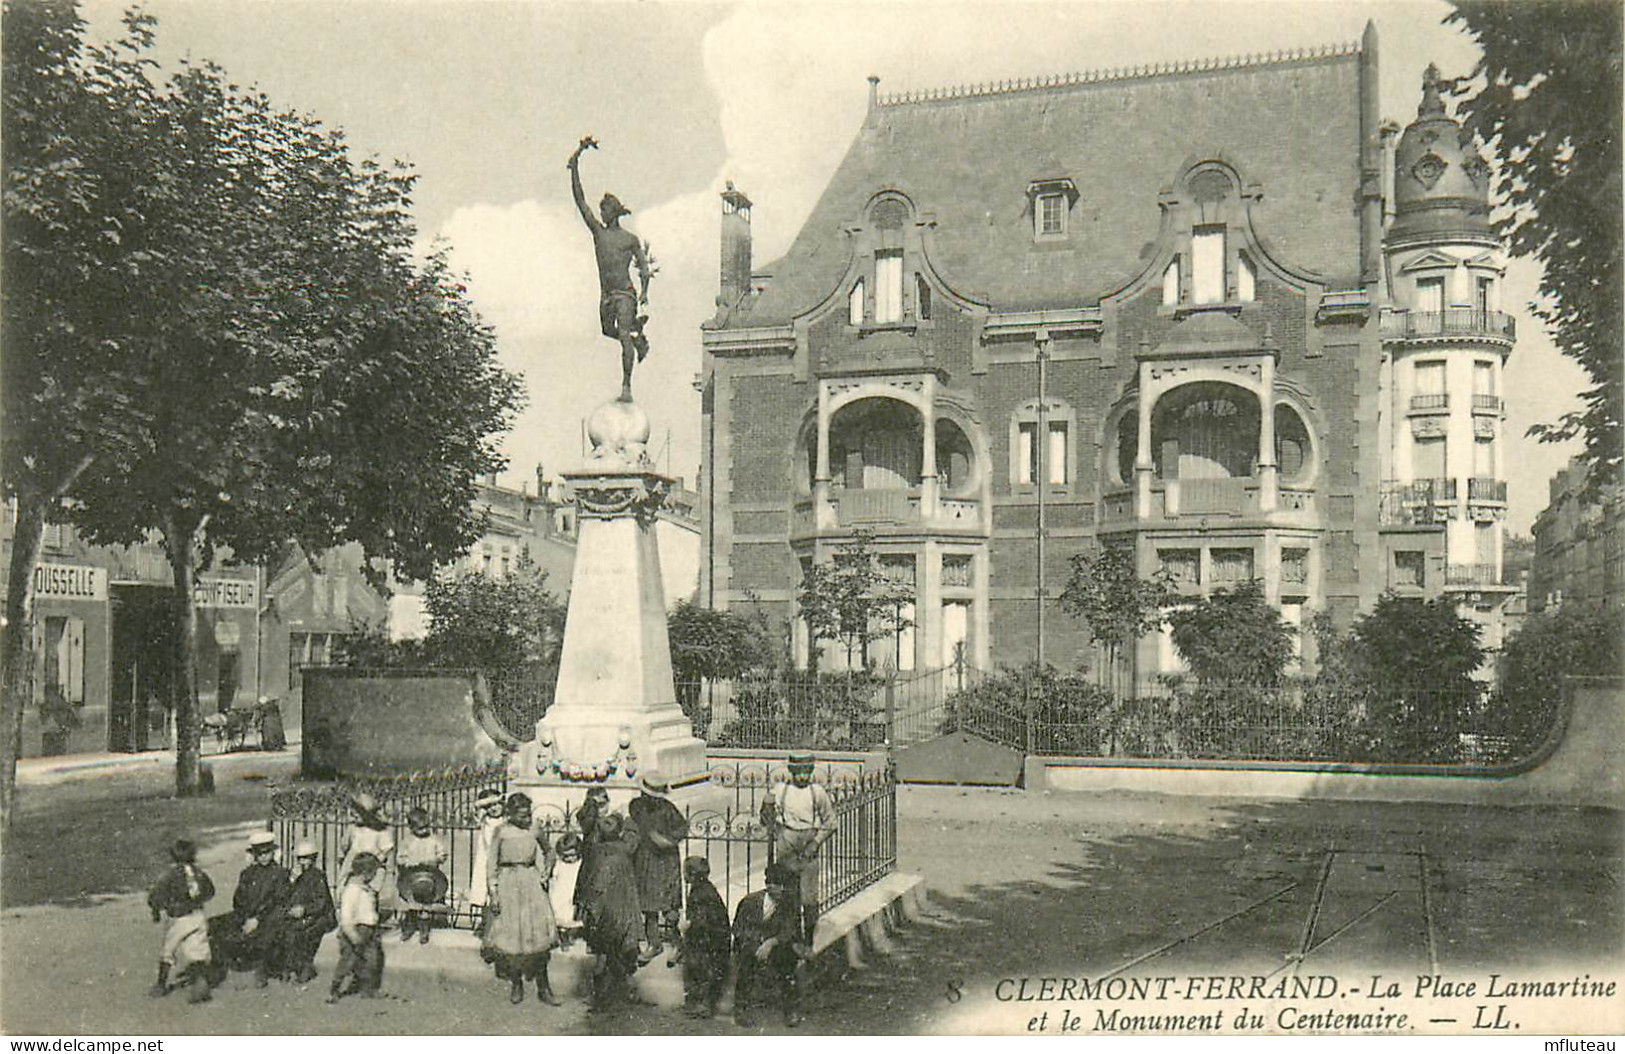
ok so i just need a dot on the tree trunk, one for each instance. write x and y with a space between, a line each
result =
14 657
188 732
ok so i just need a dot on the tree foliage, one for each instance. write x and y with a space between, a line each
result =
1545 95
481 621
225 327
1409 642
716 644
1106 591
1575 640
1233 636
849 599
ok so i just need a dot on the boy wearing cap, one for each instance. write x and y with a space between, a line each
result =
180 894
262 889
361 956
705 941
658 863
767 946
802 818
423 884
308 916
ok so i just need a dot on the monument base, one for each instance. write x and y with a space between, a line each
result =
614 716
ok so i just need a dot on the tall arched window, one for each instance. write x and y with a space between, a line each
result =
1205 431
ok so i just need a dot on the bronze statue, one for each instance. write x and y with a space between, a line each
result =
617 248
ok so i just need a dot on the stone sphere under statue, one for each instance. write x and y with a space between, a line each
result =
619 433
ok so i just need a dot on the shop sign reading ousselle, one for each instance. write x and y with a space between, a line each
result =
70 582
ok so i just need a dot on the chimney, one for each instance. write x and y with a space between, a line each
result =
735 248
541 481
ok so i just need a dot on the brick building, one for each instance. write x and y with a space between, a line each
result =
1579 545
1218 312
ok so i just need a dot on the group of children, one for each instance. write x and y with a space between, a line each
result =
278 919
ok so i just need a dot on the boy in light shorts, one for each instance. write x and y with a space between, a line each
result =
180 894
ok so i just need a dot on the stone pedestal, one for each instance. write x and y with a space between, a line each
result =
615 714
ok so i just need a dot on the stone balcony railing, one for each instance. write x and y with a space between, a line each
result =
854 508
1486 490
1207 498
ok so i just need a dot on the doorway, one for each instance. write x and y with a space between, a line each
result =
143 668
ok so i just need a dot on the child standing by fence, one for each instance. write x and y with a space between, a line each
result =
361 955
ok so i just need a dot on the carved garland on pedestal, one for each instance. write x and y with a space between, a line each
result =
642 497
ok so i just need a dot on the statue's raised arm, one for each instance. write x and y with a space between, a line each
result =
617 250
574 165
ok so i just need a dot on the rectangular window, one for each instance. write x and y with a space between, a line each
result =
1051 214
955 632
1027 452
1484 539
1484 458
1485 293
1409 568
1232 566
1483 378
888 287
1183 567
1430 295
1246 278
1057 453
1427 458
854 305
1207 265
1430 378
1170 283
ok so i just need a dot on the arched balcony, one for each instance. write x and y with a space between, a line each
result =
1205 456
879 470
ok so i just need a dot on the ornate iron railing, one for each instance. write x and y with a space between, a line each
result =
732 837
1306 720
323 815
1484 489
1451 322
1430 403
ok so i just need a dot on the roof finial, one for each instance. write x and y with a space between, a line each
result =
1431 102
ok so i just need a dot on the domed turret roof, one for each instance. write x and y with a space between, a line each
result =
1441 184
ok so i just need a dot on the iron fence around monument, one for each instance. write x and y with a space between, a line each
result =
729 835
323 816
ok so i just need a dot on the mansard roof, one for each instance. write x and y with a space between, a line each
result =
967 157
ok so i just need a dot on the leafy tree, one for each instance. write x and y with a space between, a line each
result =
1119 606
1415 660
1572 641
850 600
69 113
716 644
477 620
1234 636
288 368
1545 95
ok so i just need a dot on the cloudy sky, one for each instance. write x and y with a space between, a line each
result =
488 97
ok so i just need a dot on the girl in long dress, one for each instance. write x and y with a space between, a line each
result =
521 932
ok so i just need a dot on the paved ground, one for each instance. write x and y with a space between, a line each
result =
1067 886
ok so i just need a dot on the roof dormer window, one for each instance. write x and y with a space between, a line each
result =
888 286
1052 201
1207 265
